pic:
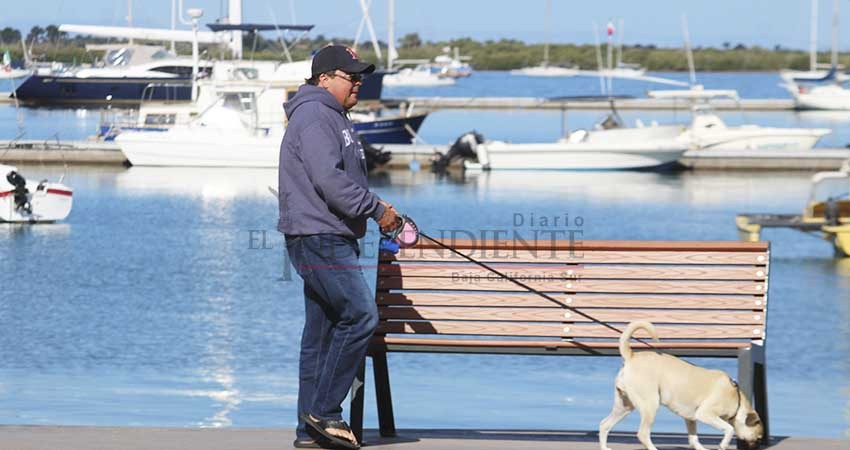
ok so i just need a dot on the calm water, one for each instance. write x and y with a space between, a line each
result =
153 305
149 306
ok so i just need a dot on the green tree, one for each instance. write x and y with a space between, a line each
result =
10 35
410 40
53 34
35 35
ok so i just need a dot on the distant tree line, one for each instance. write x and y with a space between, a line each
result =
50 44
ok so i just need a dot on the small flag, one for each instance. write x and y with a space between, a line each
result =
610 28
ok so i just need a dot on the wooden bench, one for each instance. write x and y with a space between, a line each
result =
706 299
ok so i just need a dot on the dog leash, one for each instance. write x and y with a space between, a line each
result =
407 235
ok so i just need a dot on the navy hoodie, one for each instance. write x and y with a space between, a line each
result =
322 173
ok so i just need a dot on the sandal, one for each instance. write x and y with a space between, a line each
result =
322 426
305 443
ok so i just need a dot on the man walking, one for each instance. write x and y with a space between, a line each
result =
324 205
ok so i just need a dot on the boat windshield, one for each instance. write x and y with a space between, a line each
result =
119 57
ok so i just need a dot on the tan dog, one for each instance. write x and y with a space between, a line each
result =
649 379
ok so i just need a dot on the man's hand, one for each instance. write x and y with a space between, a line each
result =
390 220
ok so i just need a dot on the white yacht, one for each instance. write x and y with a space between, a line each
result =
226 134
708 131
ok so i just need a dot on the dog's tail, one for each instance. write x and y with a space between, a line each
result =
625 347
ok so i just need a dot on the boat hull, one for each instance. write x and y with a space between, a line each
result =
52 90
831 97
767 139
186 149
567 156
50 202
392 130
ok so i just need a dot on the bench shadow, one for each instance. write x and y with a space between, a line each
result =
668 441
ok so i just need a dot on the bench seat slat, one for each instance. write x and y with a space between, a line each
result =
532 300
581 256
552 343
564 271
563 315
612 286
567 331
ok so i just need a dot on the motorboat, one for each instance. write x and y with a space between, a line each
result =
609 146
244 84
229 132
708 131
827 212
126 73
452 66
623 149
423 74
26 202
546 70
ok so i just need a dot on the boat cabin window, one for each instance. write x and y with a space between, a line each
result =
180 71
239 101
160 119
247 73
119 57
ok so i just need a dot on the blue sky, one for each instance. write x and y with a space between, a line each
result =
752 22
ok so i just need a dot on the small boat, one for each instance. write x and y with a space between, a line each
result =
27 202
827 212
421 75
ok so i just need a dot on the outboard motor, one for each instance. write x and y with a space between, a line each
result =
20 192
463 148
375 157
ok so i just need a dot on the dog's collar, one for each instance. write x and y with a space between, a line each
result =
738 393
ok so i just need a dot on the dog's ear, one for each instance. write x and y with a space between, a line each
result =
752 419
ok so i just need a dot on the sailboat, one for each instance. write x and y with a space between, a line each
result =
422 74
708 131
545 69
828 91
818 71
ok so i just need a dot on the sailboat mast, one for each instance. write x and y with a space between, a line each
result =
130 16
813 38
391 51
548 36
620 43
234 16
834 59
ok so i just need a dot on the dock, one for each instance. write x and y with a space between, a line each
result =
108 153
438 103
114 438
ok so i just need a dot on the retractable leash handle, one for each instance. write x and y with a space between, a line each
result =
406 234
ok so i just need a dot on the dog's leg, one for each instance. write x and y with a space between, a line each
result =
693 439
622 408
720 424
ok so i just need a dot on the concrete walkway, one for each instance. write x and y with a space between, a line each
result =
101 438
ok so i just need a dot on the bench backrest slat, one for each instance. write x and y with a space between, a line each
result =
568 271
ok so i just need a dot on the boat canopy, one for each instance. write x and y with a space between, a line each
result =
256 27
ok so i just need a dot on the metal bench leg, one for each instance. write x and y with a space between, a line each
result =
760 389
382 394
752 379
357 392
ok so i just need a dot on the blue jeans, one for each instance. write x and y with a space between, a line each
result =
340 317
